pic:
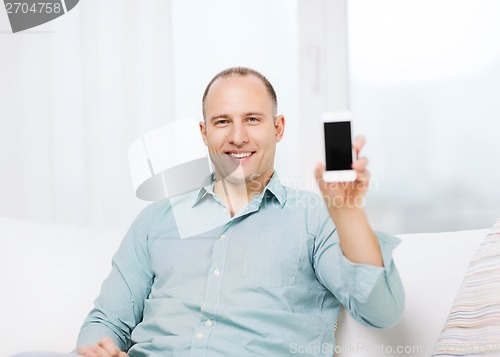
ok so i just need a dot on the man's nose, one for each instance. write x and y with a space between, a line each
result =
238 134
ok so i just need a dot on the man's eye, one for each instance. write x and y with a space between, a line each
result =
253 119
220 122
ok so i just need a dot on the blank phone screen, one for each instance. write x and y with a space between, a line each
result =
338 147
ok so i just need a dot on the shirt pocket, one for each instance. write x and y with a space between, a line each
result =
272 259
180 263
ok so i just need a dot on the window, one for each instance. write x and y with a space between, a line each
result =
424 88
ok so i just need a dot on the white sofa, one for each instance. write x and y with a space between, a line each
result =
431 266
50 275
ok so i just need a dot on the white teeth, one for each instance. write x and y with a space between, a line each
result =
241 155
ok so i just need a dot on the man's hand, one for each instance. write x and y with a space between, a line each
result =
104 348
345 202
338 195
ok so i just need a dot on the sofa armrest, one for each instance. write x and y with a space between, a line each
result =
431 266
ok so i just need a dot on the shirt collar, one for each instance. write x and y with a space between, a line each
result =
277 189
206 189
274 187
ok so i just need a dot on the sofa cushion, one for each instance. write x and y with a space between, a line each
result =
473 325
431 266
50 274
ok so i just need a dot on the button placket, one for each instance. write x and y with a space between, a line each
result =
212 296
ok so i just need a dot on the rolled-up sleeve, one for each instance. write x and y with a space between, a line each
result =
373 295
119 306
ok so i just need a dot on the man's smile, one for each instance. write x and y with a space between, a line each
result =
240 155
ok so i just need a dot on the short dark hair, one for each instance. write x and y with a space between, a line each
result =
242 71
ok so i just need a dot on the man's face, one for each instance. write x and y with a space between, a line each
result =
240 129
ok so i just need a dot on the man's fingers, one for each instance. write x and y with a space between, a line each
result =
318 171
109 346
362 174
363 177
104 348
360 164
86 351
358 143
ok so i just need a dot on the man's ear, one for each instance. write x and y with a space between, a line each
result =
203 131
279 127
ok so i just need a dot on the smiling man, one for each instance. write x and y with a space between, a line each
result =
263 269
241 130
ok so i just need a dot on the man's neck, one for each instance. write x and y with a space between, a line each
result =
237 195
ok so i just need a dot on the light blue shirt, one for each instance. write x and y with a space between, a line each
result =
189 280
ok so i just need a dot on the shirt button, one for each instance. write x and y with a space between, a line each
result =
222 237
199 335
216 272
208 323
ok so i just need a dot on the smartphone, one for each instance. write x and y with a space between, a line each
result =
339 153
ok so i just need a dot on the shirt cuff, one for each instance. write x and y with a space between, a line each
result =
361 279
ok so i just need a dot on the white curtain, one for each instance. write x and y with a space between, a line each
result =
77 91
74 94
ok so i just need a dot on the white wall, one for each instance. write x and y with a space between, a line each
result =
260 34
